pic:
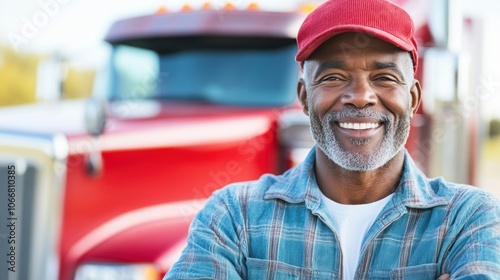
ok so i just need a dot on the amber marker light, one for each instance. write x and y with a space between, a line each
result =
207 6
162 10
253 7
306 8
229 6
186 8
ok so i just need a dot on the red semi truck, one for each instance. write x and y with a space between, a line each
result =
192 101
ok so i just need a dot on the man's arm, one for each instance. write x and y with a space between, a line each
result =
475 254
214 247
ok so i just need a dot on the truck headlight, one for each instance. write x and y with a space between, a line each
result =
117 271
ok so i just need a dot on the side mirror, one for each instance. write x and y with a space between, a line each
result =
95 123
95 116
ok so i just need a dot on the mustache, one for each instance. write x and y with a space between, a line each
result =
350 112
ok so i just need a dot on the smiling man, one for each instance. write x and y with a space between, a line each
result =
357 207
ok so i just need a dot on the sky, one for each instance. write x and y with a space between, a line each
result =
75 28
73 25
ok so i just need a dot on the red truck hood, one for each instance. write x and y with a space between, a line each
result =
150 124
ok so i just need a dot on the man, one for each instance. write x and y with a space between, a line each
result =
357 207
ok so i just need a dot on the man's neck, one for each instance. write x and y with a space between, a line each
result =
357 187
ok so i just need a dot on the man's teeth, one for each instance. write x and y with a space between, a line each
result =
359 126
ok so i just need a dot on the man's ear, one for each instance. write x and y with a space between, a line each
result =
416 97
302 95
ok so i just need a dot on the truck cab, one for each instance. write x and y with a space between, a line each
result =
191 101
198 100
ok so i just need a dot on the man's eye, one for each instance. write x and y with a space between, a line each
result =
332 78
385 79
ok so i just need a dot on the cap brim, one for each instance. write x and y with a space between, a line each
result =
308 50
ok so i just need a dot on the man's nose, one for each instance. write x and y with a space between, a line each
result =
361 94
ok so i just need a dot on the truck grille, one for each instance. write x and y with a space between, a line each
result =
32 172
16 214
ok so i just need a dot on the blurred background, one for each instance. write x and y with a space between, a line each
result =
37 37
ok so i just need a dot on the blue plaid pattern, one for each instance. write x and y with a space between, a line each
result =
278 228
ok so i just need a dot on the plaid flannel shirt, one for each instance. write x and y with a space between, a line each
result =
278 228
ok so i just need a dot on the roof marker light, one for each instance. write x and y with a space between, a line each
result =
307 7
253 7
229 6
162 10
186 8
207 6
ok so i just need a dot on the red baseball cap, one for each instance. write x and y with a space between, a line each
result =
380 18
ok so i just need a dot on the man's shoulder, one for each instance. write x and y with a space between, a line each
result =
463 196
256 190
292 186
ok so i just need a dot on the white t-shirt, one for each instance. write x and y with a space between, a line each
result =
353 221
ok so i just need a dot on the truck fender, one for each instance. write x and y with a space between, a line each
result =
154 234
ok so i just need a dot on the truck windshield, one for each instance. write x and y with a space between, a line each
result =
243 77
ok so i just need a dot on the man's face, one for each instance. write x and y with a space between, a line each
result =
360 95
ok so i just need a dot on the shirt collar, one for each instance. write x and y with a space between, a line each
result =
415 189
299 185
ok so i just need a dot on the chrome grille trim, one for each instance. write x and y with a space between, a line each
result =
40 162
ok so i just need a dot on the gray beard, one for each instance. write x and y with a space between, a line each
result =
393 142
